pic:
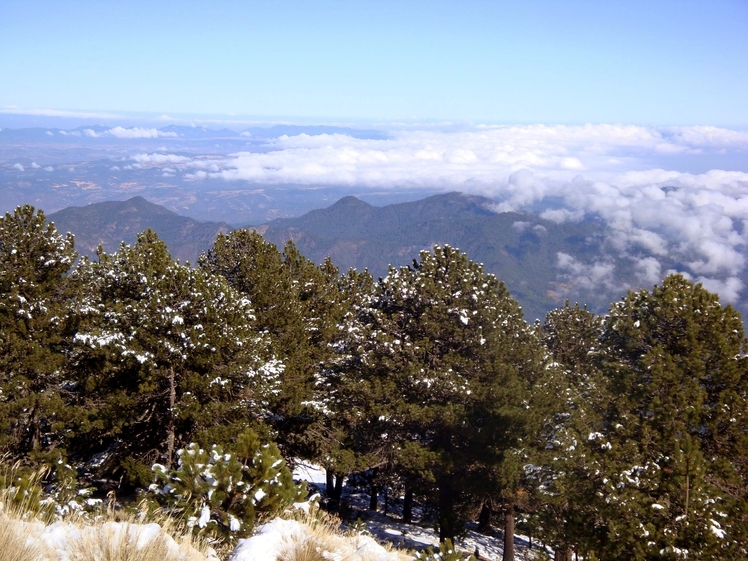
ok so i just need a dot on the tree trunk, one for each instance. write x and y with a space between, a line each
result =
565 554
484 519
35 430
408 506
171 425
508 532
330 483
447 516
373 491
338 486
373 496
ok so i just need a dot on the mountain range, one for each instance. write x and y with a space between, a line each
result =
521 249
110 223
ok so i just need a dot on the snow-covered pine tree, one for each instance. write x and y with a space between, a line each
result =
34 259
299 305
436 363
560 473
222 491
672 452
164 355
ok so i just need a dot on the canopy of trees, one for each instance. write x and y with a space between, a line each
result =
616 437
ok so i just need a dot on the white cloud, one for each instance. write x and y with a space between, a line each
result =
561 215
729 289
137 132
649 270
619 174
159 159
197 176
18 167
35 165
480 160
595 276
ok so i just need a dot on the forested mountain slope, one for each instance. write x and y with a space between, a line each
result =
112 222
520 249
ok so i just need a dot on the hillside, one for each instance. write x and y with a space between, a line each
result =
109 223
520 249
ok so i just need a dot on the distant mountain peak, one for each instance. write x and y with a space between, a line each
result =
111 222
351 201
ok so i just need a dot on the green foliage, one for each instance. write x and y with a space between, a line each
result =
298 305
560 471
223 493
436 363
46 493
34 259
162 353
675 361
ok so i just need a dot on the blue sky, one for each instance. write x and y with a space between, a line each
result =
647 63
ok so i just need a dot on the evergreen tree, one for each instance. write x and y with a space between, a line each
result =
341 447
164 355
224 491
672 452
561 472
34 259
435 363
298 304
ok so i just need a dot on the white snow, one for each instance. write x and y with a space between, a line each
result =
278 536
310 473
61 541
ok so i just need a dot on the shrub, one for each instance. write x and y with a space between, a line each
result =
222 493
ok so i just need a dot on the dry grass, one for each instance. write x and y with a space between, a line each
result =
323 541
15 544
131 542
323 536
22 540
27 532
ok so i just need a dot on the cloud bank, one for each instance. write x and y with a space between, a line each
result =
122 132
633 178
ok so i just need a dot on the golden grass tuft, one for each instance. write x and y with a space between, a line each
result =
324 540
131 542
15 544
114 536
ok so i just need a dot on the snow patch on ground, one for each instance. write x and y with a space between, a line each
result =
279 537
309 473
62 541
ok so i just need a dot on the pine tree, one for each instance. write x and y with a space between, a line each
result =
672 452
223 491
299 305
435 364
34 259
561 473
164 355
